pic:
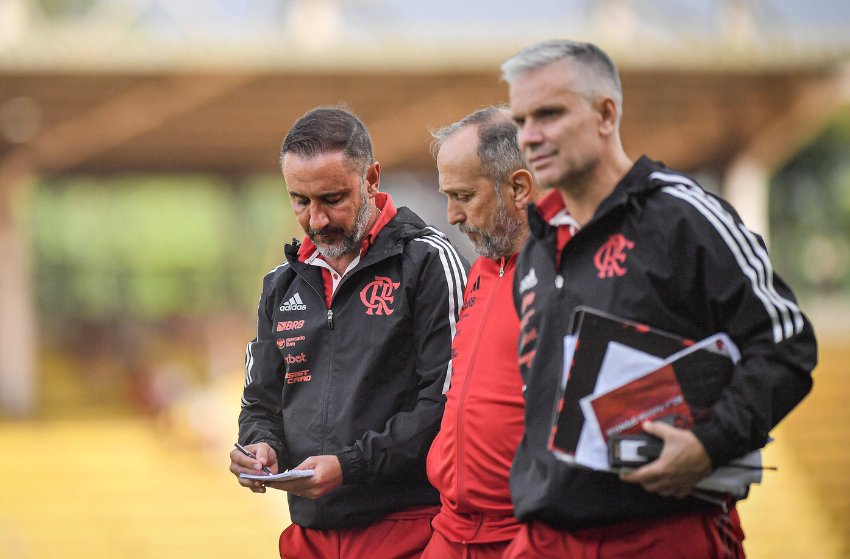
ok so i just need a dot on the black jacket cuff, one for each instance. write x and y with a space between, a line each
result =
352 464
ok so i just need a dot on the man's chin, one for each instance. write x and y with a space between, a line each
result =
547 176
333 250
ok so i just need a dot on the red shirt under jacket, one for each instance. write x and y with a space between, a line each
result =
471 457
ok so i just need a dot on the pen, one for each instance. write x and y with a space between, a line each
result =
749 466
247 453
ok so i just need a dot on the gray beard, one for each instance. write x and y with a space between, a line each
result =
502 236
351 242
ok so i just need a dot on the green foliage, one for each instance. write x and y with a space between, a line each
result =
810 213
149 248
56 9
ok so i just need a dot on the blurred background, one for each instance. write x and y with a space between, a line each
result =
141 203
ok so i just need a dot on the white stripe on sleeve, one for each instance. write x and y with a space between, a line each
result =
455 280
785 316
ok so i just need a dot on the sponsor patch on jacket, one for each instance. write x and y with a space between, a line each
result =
290 325
290 342
528 281
294 304
291 359
298 376
468 303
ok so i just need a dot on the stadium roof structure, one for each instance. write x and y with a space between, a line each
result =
100 87
150 86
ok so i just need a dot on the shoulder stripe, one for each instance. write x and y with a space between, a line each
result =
455 274
278 267
249 364
455 258
753 260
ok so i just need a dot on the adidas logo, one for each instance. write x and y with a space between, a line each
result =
294 304
529 281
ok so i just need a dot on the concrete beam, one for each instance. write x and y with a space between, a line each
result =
18 332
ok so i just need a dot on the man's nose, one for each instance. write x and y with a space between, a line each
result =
454 213
528 135
318 217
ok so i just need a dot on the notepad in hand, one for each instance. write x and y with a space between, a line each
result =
282 476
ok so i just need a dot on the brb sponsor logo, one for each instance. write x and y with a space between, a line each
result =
378 295
298 376
290 325
290 359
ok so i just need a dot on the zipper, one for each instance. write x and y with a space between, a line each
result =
466 381
321 442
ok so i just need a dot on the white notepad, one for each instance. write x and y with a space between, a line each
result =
282 476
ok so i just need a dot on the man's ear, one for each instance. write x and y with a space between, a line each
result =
521 188
373 178
607 115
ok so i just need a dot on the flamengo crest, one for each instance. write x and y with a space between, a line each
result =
378 295
611 256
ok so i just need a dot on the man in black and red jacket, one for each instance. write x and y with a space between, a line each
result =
646 243
346 374
487 185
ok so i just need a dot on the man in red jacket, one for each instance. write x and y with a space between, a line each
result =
484 177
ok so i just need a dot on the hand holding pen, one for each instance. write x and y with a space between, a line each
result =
248 453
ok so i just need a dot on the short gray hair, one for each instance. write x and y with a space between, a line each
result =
498 150
600 73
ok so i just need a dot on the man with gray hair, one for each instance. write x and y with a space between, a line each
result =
345 376
485 180
637 240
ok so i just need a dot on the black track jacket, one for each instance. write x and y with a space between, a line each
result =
362 380
663 252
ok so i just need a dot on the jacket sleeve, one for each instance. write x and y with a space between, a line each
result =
408 434
260 419
739 293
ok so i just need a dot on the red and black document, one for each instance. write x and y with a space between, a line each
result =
618 374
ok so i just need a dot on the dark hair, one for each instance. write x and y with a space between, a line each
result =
329 129
497 144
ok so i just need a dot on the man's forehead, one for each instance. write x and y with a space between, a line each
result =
460 149
535 86
314 159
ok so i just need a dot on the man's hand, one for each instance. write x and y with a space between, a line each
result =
327 476
682 463
241 464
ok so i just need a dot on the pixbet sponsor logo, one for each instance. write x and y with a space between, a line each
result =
290 359
290 325
298 376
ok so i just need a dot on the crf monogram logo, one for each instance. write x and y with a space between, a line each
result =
610 257
378 295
